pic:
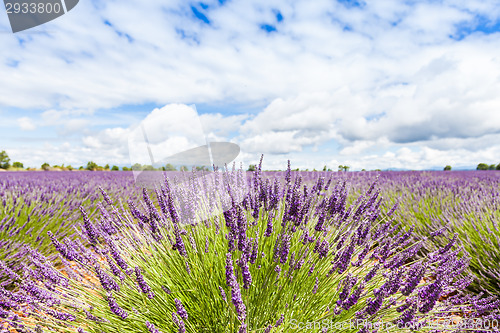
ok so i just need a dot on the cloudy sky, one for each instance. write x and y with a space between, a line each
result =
369 84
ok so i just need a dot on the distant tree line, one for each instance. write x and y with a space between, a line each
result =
92 166
480 166
484 166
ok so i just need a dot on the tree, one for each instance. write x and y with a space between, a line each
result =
91 166
170 167
148 168
498 166
137 167
45 166
324 168
18 165
492 167
251 167
343 168
106 167
482 166
115 168
447 168
126 168
184 168
4 160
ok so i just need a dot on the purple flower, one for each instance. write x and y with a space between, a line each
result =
223 294
179 244
115 308
448 246
61 315
116 271
406 317
311 270
165 289
89 228
152 328
179 323
142 283
269 229
373 305
372 273
280 321
415 275
354 297
107 282
106 196
315 289
347 283
247 277
285 248
180 309
429 295
116 255
235 289
255 251
66 251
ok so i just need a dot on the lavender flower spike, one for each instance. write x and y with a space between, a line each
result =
181 311
235 289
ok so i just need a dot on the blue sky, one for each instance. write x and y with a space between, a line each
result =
369 84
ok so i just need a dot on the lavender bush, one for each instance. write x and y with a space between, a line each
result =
263 258
464 203
32 203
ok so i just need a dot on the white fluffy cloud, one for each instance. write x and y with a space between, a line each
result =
389 83
26 124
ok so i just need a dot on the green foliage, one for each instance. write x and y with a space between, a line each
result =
498 166
251 167
137 167
126 168
170 167
18 165
45 166
492 167
106 167
4 160
482 166
115 168
344 168
91 166
447 168
304 289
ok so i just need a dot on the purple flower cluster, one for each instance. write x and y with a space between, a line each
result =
115 308
142 283
151 327
107 282
180 309
179 322
232 282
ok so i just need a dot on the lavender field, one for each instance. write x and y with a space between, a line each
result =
236 251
